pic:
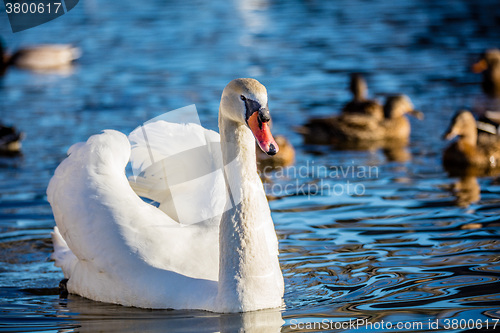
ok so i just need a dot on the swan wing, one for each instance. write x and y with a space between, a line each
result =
179 167
110 230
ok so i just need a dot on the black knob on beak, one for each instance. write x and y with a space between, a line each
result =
272 150
264 115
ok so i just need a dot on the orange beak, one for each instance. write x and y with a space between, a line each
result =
479 66
262 134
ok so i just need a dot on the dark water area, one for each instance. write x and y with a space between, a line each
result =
404 243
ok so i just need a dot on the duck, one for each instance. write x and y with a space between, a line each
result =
489 65
208 242
364 130
40 57
10 140
471 151
360 102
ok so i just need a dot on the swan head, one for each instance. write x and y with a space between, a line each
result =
244 101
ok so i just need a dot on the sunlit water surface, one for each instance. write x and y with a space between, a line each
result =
394 244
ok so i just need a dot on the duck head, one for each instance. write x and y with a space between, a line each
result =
489 59
489 65
462 125
358 87
244 101
399 105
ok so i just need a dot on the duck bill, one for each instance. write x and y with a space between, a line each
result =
262 134
479 66
450 134
417 114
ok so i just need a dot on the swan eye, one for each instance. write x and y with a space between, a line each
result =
243 98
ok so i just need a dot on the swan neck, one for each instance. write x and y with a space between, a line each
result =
238 147
248 273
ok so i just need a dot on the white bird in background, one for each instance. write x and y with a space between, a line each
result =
40 57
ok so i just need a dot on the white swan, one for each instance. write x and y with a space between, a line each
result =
113 247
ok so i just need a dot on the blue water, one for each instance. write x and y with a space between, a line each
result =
406 248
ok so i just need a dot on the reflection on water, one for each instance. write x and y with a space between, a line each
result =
88 316
397 154
467 191
92 317
411 245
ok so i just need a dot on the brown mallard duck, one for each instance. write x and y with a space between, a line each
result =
489 65
481 152
357 130
360 102
40 57
10 140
